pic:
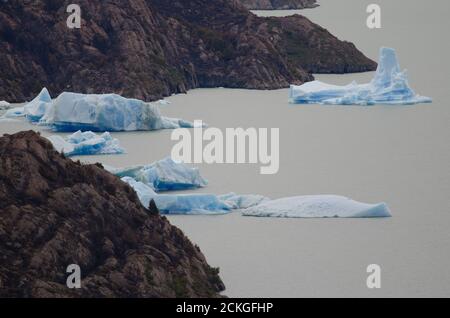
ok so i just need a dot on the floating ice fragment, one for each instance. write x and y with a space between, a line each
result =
192 204
4 103
35 109
106 112
15 112
165 175
243 201
179 203
389 87
318 206
86 143
163 102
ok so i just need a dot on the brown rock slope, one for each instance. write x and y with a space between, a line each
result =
278 4
151 48
55 212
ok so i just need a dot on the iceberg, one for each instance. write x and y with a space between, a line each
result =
4 104
35 109
164 175
189 204
106 112
192 204
238 201
318 206
86 143
389 87
163 102
15 112
71 112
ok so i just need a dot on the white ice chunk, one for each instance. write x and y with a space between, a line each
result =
35 109
389 86
86 143
106 112
163 102
145 193
318 206
238 201
4 103
15 112
192 204
165 175
188 204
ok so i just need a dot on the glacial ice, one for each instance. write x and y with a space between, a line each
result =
71 112
86 143
165 175
238 201
106 112
163 102
4 103
179 203
389 87
14 112
35 109
318 206
192 204
312 206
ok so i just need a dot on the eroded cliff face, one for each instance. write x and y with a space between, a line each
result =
278 4
55 212
152 48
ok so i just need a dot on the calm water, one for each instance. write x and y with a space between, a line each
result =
399 155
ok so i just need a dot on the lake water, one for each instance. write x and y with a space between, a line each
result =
396 154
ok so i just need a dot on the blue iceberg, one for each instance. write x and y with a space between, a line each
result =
15 112
35 109
318 206
165 175
86 143
106 112
192 204
189 204
389 87
239 201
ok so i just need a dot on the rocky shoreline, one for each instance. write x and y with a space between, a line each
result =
155 48
55 212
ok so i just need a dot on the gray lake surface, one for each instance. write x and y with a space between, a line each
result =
394 154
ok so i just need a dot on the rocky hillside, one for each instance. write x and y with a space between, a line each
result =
151 48
278 4
55 212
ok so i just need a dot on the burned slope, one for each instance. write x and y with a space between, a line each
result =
55 212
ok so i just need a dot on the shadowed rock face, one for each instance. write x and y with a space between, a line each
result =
278 4
55 212
152 48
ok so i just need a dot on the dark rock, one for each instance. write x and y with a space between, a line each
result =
153 208
151 48
55 212
278 4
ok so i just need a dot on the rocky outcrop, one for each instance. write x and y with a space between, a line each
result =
278 4
55 212
152 48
